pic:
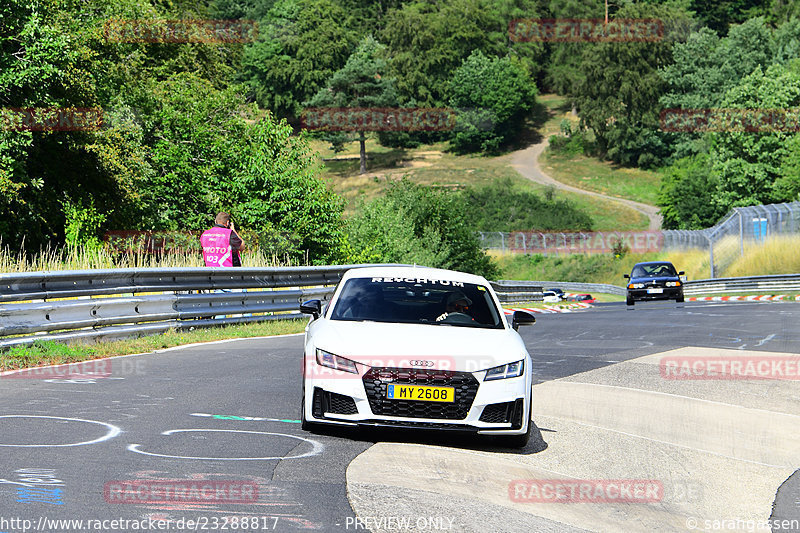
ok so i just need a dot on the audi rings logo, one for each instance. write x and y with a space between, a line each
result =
419 362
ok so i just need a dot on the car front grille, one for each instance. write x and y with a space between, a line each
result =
464 384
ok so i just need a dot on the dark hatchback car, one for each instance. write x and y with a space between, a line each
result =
654 280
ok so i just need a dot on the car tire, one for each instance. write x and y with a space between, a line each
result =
629 300
305 425
679 299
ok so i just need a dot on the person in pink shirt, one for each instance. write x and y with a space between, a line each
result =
221 244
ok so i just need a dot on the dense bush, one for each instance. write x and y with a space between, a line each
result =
418 224
572 141
499 207
493 96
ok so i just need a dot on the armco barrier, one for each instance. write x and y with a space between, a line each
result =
775 283
108 304
520 289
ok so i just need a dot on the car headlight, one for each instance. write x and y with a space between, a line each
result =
334 361
636 286
511 370
673 284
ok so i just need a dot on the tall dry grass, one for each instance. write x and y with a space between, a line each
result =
778 255
83 258
694 262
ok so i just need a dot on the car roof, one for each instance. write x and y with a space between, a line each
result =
653 263
416 272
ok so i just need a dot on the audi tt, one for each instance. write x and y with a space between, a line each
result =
416 347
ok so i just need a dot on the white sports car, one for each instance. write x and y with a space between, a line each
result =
417 347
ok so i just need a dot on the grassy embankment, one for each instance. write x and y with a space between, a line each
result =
433 165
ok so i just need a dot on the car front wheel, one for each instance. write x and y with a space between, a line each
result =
629 300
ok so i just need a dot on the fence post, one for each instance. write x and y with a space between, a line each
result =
711 255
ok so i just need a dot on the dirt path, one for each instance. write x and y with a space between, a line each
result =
526 162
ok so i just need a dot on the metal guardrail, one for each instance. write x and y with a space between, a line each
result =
776 283
517 291
523 287
107 304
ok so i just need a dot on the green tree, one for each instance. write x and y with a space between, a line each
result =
563 73
787 40
495 96
720 14
210 151
750 165
428 41
620 87
686 196
301 43
361 83
45 61
54 53
787 186
707 67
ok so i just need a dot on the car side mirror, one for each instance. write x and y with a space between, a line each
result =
312 307
626 276
681 273
522 318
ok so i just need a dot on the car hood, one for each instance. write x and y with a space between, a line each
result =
432 346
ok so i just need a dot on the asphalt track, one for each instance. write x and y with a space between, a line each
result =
227 413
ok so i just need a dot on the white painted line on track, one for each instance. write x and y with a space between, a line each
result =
113 431
317 447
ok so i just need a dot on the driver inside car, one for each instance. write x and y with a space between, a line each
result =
456 307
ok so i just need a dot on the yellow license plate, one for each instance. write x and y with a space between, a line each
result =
421 393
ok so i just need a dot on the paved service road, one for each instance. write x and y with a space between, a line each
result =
224 415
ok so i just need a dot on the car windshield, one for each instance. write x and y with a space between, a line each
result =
657 270
417 301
